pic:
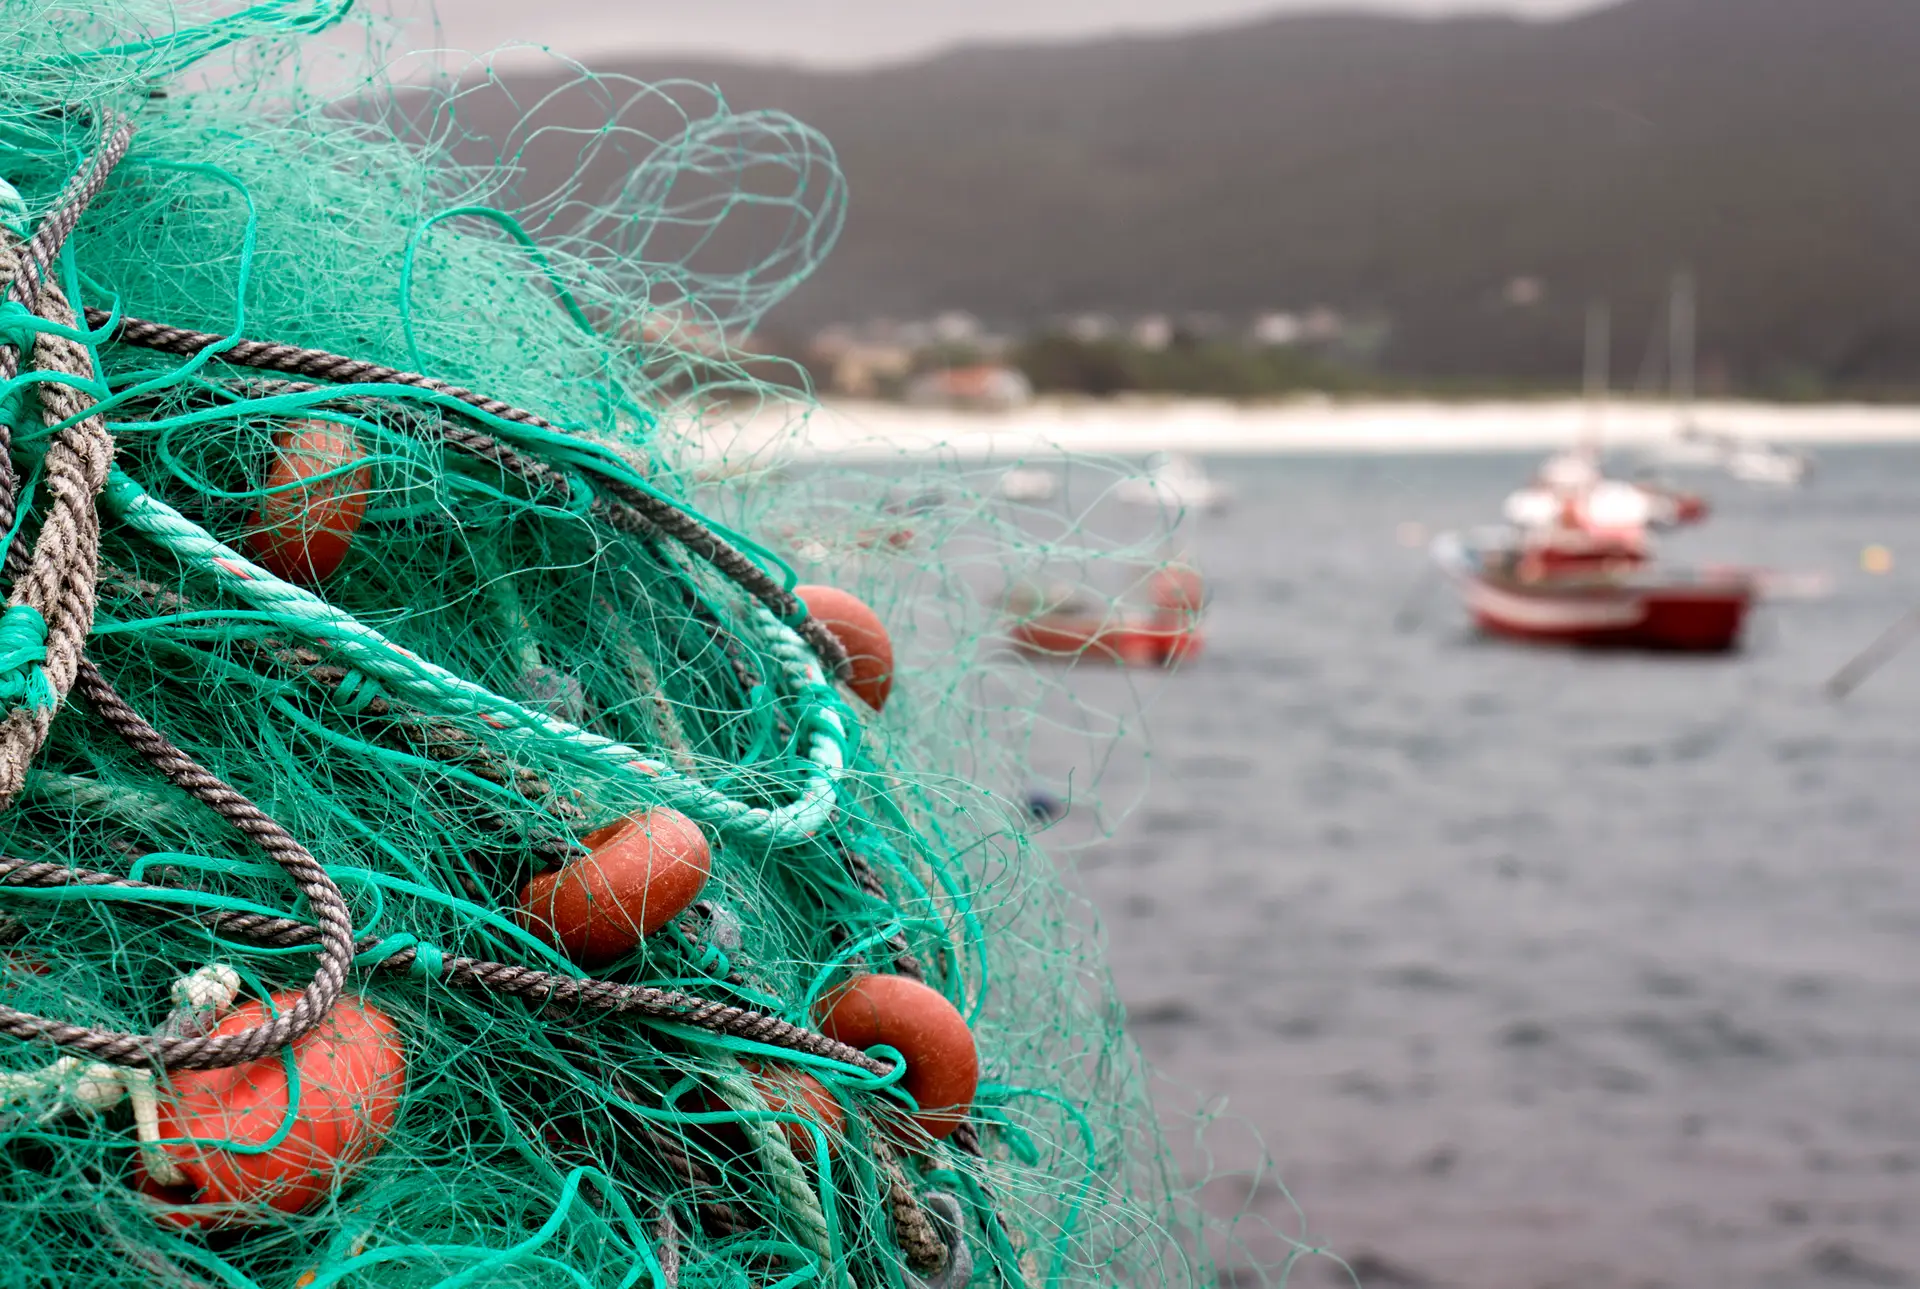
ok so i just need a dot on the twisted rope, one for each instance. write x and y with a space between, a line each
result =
437 688
29 266
789 1176
334 932
912 1229
506 979
637 511
50 610
437 740
666 1251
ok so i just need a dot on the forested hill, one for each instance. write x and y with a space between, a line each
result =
1405 171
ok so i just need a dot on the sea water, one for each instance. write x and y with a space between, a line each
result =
1530 967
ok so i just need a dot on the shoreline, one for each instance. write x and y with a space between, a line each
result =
859 431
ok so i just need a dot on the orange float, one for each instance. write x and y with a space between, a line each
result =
641 872
306 523
353 1070
943 1065
861 633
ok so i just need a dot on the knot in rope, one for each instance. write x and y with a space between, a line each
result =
429 960
23 658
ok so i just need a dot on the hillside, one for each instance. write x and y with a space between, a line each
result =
1405 170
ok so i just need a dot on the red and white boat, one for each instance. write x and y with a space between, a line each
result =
1574 566
1609 602
1166 634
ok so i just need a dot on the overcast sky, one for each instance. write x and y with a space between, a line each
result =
856 32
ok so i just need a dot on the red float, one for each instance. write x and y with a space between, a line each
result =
353 1070
642 871
861 633
306 523
943 1065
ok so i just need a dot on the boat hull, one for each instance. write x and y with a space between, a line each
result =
1630 608
1676 619
1127 644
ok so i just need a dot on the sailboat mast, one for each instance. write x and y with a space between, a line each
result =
1599 363
1680 333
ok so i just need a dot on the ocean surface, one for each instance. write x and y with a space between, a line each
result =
1531 968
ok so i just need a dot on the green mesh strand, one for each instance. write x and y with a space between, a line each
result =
283 186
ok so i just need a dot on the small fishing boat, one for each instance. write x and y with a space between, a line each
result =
1130 640
1601 596
1068 628
1574 563
1174 481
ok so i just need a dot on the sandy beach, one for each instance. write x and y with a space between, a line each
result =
1132 427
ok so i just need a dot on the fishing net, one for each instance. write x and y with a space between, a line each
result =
362 679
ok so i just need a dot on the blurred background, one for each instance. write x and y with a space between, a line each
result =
1535 387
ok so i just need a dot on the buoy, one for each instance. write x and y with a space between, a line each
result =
1876 559
306 523
640 873
943 1066
353 1070
861 633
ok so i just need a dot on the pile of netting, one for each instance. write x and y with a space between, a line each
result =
435 854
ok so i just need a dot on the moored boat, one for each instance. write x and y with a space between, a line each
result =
1068 630
1130 640
1596 598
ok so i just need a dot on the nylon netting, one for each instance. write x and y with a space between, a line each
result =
517 648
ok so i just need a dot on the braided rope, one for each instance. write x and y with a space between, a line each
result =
666 1239
789 1176
334 932
117 137
638 511
506 979
28 267
437 688
913 1230
50 610
437 740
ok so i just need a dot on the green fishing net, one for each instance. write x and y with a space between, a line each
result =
503 662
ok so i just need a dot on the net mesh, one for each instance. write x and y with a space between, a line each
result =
498 667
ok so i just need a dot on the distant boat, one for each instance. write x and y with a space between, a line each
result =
1602 599
1029 483
1126 639
1766 464
1748 460
1066 629
1573 564
1174 481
